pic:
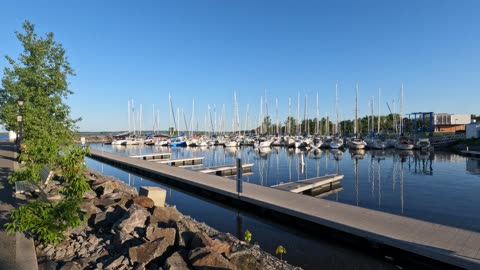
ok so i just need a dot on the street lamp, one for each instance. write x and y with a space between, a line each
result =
20 103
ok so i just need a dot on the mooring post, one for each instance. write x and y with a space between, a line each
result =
239 177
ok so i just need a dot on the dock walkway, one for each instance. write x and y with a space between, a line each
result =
309 184
225 169
450 245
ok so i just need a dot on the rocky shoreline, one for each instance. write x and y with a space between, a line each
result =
123 230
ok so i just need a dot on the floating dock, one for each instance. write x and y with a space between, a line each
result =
153 157
449 245
225 170
470 153
311 184
182 161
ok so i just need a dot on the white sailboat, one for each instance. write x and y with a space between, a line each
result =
403 143
336 142
356 142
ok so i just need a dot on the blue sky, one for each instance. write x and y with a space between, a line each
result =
206 50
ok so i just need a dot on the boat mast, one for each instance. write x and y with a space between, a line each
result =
299 125
355 124
129 116
336 108
378 125
317 125
289 122
401 110
276 113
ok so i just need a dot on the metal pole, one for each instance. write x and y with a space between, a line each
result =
239 176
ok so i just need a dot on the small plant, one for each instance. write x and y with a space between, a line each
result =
248 236
280 250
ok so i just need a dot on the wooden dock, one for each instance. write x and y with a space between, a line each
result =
225 170
153 157
182 161
470 153
310 184
453 246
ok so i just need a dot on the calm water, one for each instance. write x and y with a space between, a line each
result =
439 187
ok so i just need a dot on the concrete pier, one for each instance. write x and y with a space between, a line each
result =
453 246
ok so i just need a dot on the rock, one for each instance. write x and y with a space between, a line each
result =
107 218
93 240
204 258
89 208
49 250
115 263
152 250
164 216
89 194
134 218
106 187
199 240
245 261
186 231
154 233
143 201
113 199
139 266
178 261
221 247
48 265
73 265
60 253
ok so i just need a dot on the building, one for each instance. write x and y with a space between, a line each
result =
445 122
473 130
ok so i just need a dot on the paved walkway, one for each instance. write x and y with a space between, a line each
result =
16 251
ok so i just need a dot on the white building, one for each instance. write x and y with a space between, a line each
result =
473 130
451 119
445 122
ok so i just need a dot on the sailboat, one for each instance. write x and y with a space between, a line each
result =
356 142
404 143
336 142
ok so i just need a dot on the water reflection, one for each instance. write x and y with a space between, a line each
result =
399 182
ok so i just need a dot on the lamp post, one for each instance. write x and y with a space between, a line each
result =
20 103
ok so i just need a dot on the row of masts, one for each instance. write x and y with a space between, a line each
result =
264 123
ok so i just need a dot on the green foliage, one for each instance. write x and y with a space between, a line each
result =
72 167
280 250
46 221
39 78
248 236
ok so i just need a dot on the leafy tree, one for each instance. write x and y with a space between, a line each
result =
39 78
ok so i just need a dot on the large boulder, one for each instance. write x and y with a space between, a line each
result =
134 218
154 233
143 201
164 216
159 249
178 261
104 220
244 260
204 258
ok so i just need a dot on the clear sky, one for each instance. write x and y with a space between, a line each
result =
206 50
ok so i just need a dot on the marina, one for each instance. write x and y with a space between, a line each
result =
458 247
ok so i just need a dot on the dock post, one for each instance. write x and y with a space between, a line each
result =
239 176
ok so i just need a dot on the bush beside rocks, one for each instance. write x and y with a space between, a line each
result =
125 231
